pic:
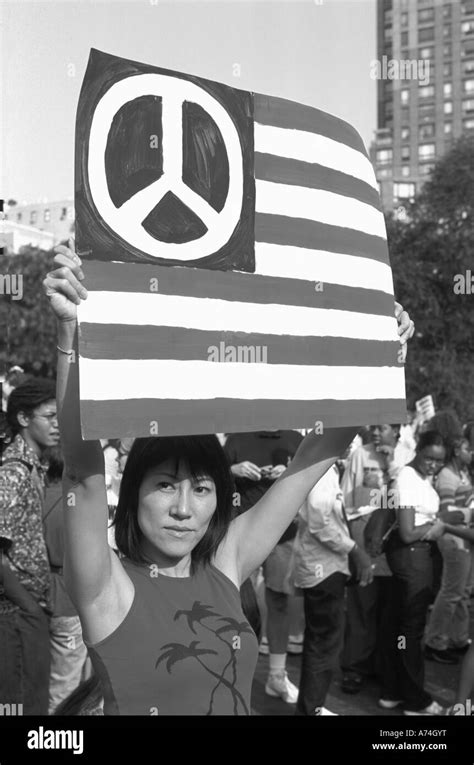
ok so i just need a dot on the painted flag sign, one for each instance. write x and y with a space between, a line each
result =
236 261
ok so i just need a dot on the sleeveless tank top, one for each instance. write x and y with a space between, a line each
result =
184 648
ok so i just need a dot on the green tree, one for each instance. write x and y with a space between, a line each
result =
428 250
28 327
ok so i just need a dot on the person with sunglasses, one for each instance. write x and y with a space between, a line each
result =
409 556
24 564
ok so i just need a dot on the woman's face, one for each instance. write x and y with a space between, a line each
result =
464 453
174 510
430 460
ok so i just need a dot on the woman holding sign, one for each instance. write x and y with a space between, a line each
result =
164 623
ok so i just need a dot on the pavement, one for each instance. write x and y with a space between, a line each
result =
440 681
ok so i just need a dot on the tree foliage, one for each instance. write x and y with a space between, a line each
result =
428 250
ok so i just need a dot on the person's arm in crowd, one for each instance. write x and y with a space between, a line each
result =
464 532
446 488
410 533
93 575
349 482
14 590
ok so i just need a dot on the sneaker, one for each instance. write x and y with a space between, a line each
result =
390 703
279 685
441 656
326 713
295 645
432 709
263 648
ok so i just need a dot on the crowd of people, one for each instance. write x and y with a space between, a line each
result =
323 591
147 580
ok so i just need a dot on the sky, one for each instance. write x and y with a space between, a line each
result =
314 51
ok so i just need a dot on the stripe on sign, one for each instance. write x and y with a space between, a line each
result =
243 287
311 147
233 316
299 232
102 379
187 417
318 205
270 110
334 267
122 341
296 173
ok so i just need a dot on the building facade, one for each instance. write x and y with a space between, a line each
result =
425 90
43 224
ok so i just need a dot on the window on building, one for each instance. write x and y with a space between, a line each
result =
385 172
47 215
33 217
447 50
446 12
388 33
448 107
404 96
468 86
425 15
467 28
426 151
427 91
467 7
388 17
405 133
447 31
447 89
426 131
404 190
448 128
384 156
447 70
468 124
426 52
405 152
404 19
426 34
467 49
468 105
426 112
426 169
19 217
468 66
404 39
405 171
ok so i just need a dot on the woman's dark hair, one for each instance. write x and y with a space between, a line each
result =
201 455
452 445
445 422
55 460
430 438
16 376
27 397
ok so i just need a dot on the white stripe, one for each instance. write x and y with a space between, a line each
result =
320 266
103 380
138 309
311 147
319 205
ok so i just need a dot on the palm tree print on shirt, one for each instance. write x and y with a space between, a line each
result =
177 652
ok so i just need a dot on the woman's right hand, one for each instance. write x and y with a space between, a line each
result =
63 286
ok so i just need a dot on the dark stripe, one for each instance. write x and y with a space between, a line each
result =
229 285
300 232
122 341
269 110
121 419
269 167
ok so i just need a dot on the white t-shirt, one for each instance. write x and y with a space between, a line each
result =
416 491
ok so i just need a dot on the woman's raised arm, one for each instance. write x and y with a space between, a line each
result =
90 564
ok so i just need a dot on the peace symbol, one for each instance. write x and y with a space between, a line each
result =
127 220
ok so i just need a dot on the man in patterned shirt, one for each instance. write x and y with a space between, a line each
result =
24 567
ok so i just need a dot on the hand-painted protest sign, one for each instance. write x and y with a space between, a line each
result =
237 270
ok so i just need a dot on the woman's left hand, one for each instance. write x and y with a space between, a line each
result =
406 327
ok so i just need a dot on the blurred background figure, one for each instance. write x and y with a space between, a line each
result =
447 634
69 665
14 377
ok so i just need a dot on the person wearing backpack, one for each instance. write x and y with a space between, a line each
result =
24 566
